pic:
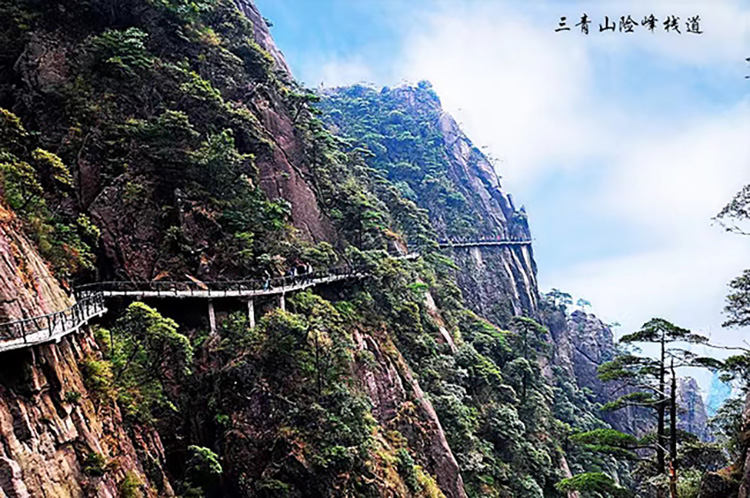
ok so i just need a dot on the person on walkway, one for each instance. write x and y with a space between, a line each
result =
267 282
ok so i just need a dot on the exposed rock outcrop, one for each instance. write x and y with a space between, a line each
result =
691 416
56 441
398 400
582 342
263 35
26 286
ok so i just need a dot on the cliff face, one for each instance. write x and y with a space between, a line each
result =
691 414
263 36
136 197
582 343
423 151
490 277
56 439
196 156
26 286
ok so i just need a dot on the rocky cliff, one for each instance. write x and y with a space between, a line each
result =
167 140
57 438
692 416
583 342
432 162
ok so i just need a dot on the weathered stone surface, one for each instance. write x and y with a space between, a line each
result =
691 415
582 342
45 437
716 485
27 287
263 35
396 394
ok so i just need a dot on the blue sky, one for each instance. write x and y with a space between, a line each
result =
621 146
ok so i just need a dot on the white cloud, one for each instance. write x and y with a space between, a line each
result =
671 183
511 83
685 284
535 98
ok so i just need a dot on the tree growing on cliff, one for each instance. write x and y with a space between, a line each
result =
559 298
529 341
651 383
736 213
647 377
147 354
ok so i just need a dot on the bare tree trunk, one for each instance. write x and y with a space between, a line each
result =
673 418
673 435
660 410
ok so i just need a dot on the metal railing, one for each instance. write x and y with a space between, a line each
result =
187 288
90 300
483 242
45 327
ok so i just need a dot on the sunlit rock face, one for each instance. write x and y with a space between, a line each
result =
448 176
691 413
49 424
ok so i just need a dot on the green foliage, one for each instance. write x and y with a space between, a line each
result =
95 464
728 423
408 149
608 437
737 212
131 486
35 186
305 359
98 378
558 299
72 397
658 329
147 354
54 168
610 442
164 98
203 468
406 467
595 484
121 53
689 483
738 302
706 457
153 94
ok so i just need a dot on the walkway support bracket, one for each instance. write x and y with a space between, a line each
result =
251 313
211 316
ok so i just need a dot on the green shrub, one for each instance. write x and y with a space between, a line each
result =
131 486
203 468
95 464
97 377
407 469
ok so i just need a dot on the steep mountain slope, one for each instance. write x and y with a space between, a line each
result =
692 415
165 140
56 440
421 149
